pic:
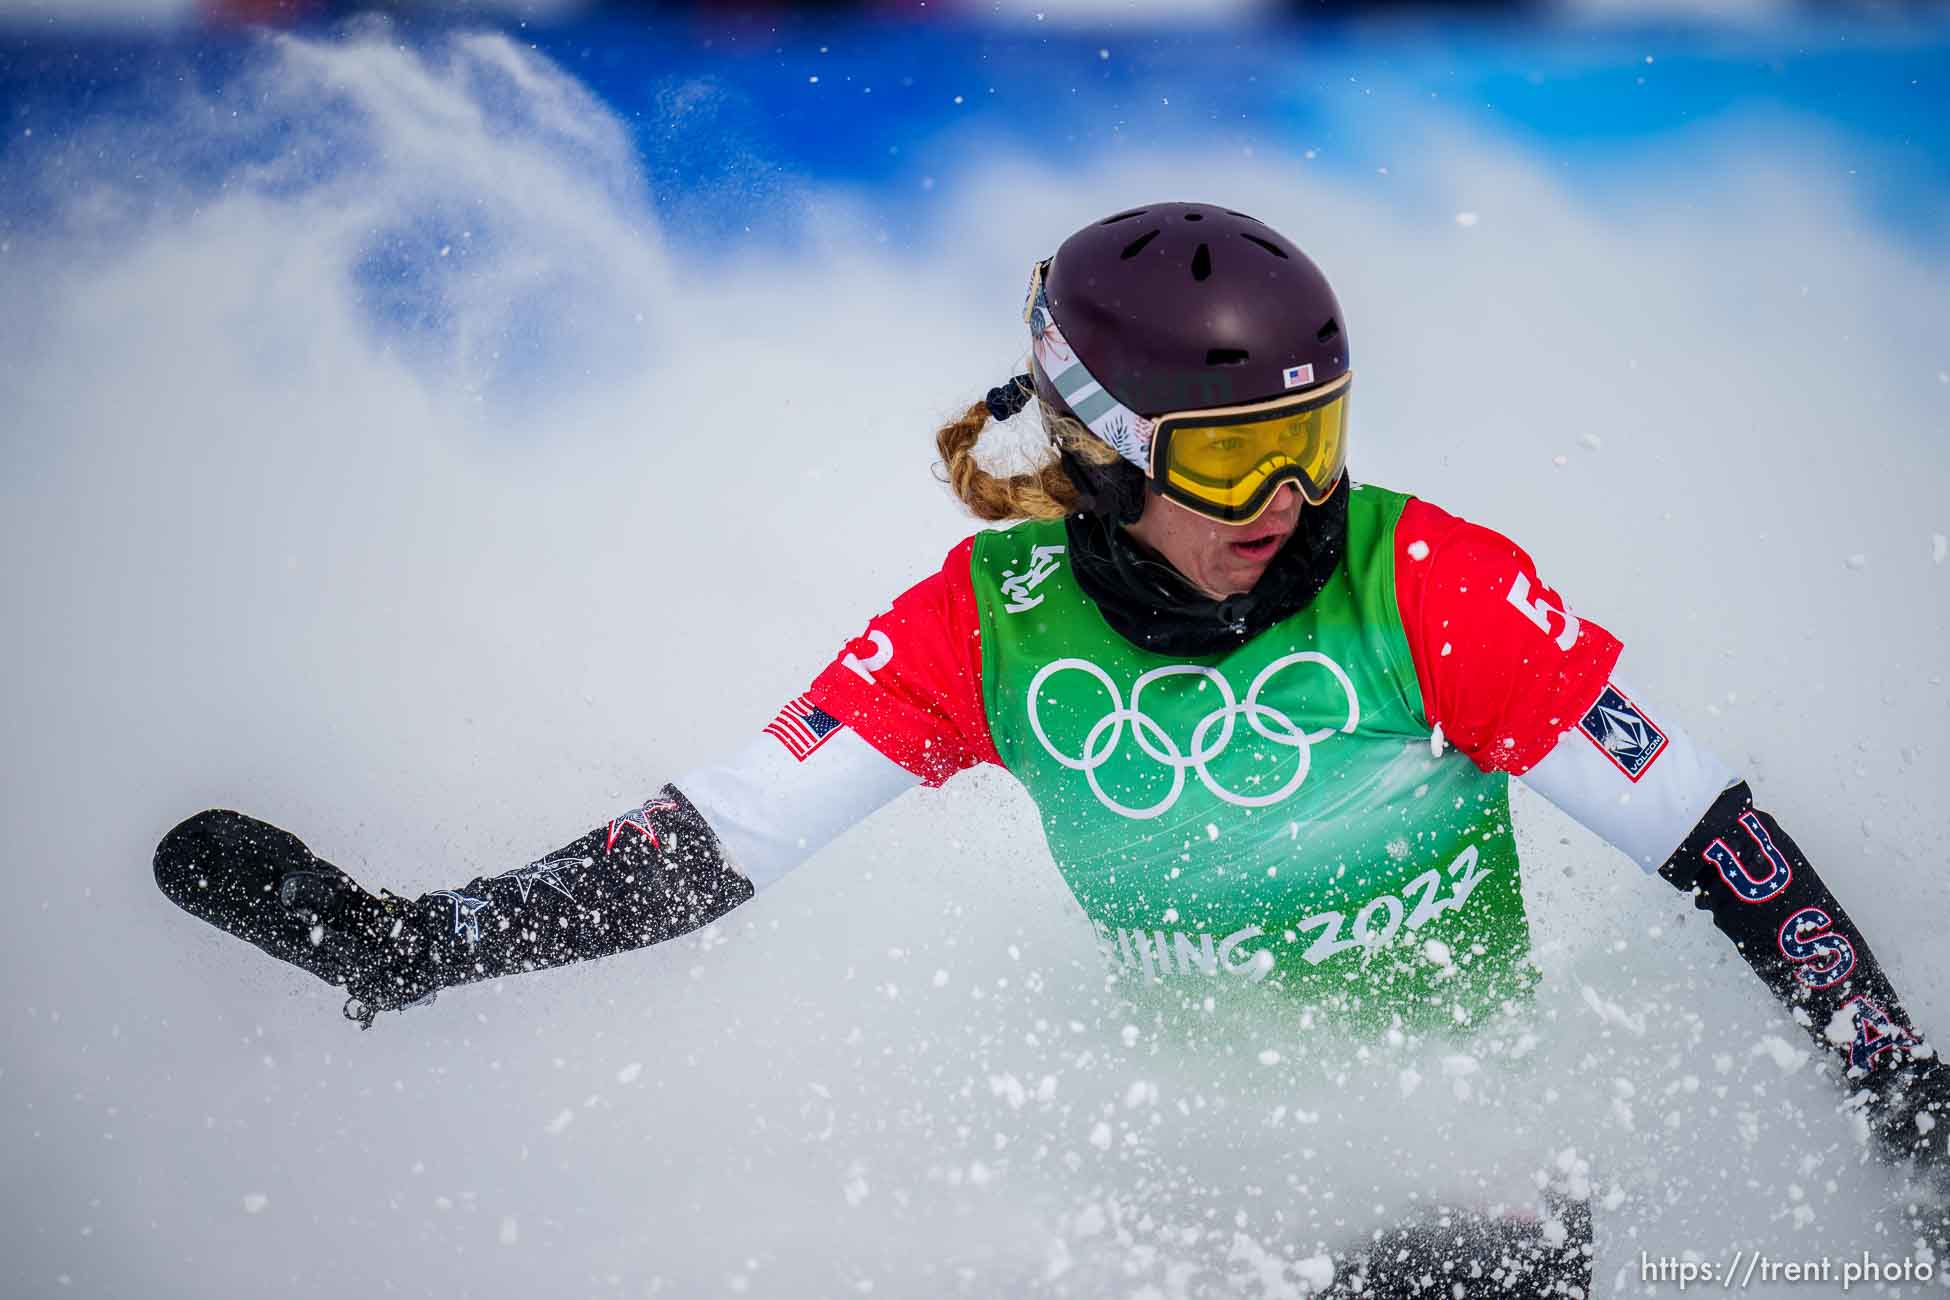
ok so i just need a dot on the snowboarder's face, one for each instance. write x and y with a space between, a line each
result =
1219 559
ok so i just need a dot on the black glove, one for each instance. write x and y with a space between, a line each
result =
653 874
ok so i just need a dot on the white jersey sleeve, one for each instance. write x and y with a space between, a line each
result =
772 810
1628 773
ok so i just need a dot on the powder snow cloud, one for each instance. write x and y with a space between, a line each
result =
380 464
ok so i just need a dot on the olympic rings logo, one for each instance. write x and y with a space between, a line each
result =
1210 737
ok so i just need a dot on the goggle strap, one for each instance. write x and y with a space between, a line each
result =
1124 429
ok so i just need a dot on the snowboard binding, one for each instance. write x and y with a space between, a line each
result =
261 884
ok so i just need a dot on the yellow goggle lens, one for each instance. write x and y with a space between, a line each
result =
1227 465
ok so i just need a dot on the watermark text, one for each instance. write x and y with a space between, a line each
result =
1746 1267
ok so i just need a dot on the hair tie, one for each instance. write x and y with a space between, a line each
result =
1007 400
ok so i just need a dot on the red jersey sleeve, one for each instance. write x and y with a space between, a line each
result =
911 684
1505 666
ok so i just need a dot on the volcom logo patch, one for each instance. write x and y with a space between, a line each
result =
1625 735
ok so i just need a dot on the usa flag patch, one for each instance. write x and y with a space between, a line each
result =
1622 731
802 727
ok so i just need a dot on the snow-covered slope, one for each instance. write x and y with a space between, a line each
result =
390 476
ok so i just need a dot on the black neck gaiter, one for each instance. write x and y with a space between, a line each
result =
1149 604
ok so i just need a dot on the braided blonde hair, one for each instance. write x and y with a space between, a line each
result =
1044 492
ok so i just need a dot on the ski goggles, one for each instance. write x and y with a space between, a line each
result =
1228 462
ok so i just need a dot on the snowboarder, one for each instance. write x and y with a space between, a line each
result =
1268 714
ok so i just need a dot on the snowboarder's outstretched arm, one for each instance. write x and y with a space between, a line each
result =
1521 684
1763 894
683 858
652 874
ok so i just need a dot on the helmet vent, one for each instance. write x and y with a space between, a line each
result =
1245 216
1329 332
1202 263
1226 357
1266 244
1194 216
1123 216
1136 246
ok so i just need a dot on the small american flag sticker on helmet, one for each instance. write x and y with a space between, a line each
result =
802 727
1298 376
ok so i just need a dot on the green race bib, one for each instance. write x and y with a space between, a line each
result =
1275 815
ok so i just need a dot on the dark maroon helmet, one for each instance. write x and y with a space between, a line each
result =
1167 308
1180 306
